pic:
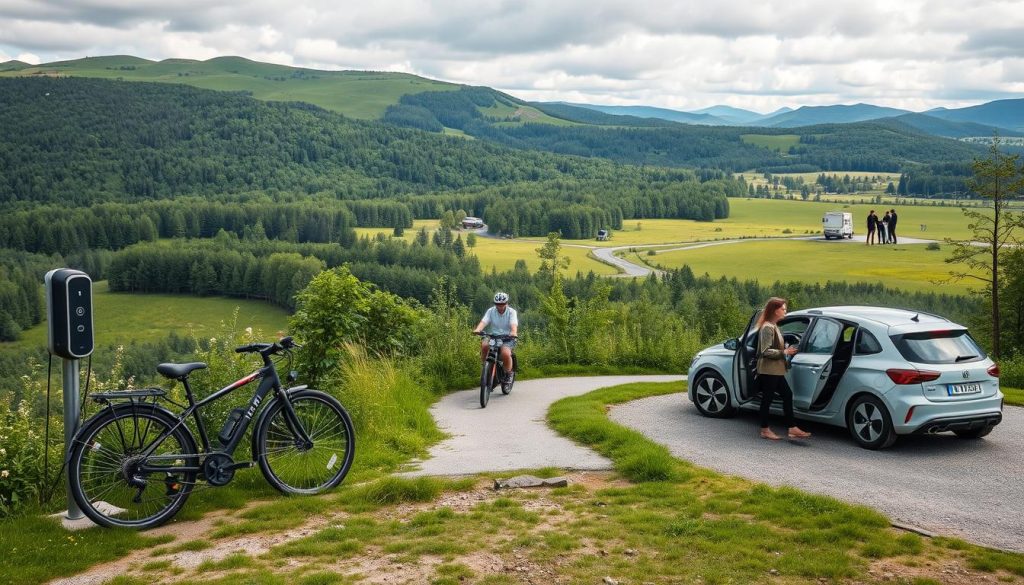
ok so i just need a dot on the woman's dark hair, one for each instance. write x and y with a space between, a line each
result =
770 307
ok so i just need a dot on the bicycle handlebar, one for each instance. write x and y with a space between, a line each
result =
484 334
283 344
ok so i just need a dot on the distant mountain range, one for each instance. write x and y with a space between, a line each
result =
1003 116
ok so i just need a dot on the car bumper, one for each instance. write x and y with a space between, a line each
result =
937 417
964 423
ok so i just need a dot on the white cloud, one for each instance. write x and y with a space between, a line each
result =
746 53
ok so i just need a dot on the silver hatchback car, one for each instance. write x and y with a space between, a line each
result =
878 372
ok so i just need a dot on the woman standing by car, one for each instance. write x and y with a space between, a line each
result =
772 363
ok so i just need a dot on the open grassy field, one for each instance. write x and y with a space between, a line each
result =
502 254
771 218
514 115
778 142
907 267
358 94
123 317
756 177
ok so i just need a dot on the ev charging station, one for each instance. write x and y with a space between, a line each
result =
70 337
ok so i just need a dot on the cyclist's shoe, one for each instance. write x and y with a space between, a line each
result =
506 382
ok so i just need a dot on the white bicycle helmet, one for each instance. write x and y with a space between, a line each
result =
500 298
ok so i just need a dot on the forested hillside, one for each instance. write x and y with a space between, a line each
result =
867 146
89 167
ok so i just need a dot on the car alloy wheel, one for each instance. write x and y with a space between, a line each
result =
711 396
870 423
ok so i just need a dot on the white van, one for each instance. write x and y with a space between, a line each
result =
837 224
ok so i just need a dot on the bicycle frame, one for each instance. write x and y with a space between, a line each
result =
269 381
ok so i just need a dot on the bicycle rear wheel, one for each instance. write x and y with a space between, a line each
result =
104 467
286 464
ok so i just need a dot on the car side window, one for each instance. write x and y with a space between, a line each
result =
823 337
867 343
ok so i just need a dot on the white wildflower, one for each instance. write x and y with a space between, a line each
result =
3 452
4 473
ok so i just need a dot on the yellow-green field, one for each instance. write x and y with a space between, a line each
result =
770 218
123 317
778 142
753 176
502 254
907 267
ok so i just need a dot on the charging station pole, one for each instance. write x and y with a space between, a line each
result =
72 406
70 337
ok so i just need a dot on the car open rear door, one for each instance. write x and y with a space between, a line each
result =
813 364
745 359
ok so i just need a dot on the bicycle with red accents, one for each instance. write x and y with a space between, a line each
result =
135 462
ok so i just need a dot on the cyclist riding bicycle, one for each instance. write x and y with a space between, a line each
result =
500 319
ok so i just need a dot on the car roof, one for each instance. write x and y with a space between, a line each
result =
901 318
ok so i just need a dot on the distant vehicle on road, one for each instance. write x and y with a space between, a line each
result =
472 223
879 372
603 235
837 224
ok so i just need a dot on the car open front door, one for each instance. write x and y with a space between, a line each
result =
744 360
813 363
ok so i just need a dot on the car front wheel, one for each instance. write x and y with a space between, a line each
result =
870 424
711 396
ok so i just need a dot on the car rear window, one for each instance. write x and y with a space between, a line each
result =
939 347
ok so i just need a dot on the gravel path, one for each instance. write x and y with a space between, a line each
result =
969 489
511 433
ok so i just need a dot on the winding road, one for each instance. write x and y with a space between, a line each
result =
968 489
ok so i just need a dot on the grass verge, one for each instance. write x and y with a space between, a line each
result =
1014 396
782 531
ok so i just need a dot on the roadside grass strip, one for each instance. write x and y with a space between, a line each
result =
1014 396
728 529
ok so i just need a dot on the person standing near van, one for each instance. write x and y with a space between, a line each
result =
872 219
892 226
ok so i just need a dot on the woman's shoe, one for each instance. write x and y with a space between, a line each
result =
768 434
797 433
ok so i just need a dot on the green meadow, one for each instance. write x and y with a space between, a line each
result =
907 267
124 317
778 142
765 218
501 254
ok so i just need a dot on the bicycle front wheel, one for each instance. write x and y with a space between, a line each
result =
114 484
290 467
486 383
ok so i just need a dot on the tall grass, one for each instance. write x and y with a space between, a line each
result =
388 408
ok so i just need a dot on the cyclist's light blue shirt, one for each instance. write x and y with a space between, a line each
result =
497 323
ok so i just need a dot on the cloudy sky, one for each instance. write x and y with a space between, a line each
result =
684 54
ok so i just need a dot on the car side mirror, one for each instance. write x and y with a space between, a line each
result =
732 344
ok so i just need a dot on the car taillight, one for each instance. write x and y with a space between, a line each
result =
993 370
911 376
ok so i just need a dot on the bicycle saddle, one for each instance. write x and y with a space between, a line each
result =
179 371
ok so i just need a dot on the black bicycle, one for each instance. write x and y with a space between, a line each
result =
492 373
135 462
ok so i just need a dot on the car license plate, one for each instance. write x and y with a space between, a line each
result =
960 389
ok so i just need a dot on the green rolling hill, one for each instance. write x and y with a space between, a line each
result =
357 94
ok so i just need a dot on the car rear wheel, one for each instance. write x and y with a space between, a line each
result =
974 433
870 424
711 396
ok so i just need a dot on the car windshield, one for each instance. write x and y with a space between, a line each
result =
939 347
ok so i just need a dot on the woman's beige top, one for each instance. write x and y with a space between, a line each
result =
771 353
